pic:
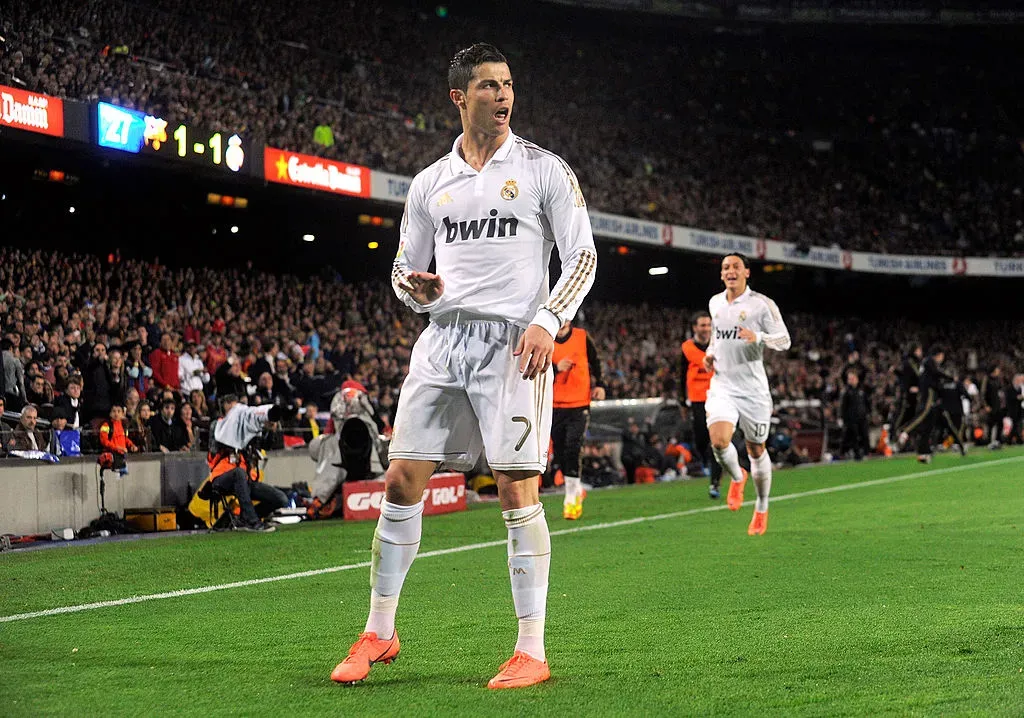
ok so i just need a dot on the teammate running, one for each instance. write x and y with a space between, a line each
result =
744 323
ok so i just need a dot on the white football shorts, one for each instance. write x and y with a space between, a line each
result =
752 414
464 393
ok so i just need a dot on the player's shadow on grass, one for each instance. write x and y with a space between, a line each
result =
431 680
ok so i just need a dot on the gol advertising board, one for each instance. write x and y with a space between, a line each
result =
444 494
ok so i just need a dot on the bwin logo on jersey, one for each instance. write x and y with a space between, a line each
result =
493 226
733 333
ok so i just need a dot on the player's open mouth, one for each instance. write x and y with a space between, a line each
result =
501 114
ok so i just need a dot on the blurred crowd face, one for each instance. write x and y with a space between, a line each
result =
702 330
29 417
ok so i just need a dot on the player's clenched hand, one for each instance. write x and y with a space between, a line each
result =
709 362
565 365
748 336
423 287
534 351
597 393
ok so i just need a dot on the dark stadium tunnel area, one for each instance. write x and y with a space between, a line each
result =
143 209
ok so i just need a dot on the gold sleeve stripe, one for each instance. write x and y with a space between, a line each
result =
584 268
568 293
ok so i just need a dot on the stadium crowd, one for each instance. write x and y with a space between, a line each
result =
82 335
767 133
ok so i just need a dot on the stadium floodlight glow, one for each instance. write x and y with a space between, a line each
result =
234 229
373 245
71 210
655 271
308 238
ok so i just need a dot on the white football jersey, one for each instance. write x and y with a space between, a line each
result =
739 365
491 234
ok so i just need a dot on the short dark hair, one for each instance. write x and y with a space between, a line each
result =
743 258
168 402
460 70
698 316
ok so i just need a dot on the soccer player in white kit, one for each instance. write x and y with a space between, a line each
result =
744 322
488 214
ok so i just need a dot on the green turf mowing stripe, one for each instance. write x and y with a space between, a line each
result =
491 544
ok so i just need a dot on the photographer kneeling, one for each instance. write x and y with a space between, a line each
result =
234 468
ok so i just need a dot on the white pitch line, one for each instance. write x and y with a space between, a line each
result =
486 544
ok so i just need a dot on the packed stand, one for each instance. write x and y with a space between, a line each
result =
89 343
85 339
797 137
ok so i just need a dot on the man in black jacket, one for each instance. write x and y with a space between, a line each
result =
932 383
951 405
853 413
169 433
908 376
994 405
1015 409
98 380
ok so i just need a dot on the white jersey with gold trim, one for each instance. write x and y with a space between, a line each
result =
739 364
491 234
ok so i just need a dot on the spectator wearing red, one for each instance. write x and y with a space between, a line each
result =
164 361
216 354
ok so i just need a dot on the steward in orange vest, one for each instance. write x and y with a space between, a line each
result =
697 379
577 381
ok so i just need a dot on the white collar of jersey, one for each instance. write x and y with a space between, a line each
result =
743 295
459 165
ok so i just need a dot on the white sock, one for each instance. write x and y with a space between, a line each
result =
529 558
761 473
573 487
729 461
395 543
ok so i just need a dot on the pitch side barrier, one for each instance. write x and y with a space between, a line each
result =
806 421
120 130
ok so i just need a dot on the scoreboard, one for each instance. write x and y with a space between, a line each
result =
128 130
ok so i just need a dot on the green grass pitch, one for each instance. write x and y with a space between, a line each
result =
899 593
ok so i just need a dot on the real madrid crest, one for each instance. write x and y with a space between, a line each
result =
743 316
510 190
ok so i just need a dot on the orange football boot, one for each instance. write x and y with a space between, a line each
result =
519 671
735 498
758 524
366 651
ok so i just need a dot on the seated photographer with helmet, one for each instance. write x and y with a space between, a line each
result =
234 463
